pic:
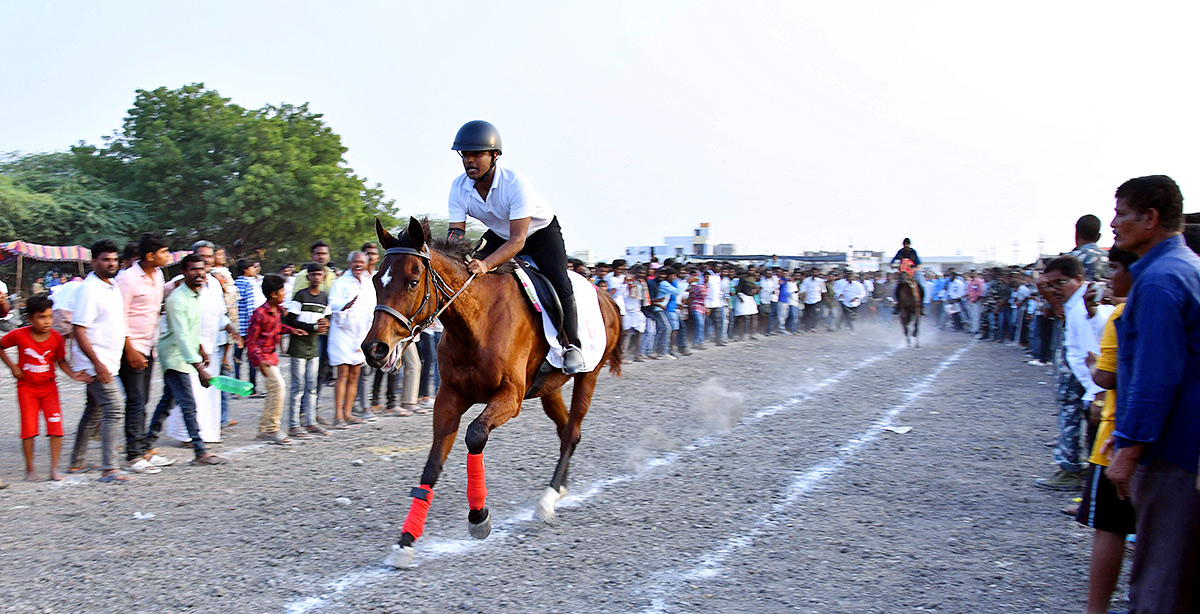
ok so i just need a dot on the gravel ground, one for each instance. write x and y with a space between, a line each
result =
752 478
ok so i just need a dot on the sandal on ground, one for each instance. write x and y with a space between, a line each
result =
339 425
355 421
396 413
83 469
209 459
116 477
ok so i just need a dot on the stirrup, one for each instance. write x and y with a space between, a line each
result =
572 360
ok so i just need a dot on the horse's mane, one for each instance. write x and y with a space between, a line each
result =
455 249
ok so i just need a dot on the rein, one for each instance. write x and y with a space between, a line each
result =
434 280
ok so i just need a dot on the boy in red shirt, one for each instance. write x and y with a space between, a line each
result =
262 339
39 347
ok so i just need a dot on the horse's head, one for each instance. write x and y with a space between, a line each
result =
404 291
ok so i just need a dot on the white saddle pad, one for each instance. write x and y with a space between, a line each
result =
592 335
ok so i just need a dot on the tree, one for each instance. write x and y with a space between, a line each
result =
45 198
254 180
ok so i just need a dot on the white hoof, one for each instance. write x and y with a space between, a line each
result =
545 505
483 529
400 558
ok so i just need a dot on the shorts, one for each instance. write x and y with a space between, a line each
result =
673 318
1100 507
33 399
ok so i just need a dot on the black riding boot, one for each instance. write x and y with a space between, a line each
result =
569 336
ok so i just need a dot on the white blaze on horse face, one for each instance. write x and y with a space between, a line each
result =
386 279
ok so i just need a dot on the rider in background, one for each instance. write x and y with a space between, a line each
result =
520 223
910 263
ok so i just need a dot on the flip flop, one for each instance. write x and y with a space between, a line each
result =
119 477
85 469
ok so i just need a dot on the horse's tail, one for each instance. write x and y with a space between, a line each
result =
617 356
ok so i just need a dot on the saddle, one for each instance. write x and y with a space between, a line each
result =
541 295
535 284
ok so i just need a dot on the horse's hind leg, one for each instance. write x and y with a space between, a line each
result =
502 407
569 436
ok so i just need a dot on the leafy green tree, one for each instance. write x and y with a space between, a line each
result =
264 180
45 198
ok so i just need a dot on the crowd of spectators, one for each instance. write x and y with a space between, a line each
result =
111 328
1120 329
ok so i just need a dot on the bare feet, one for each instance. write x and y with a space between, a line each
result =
55 475
31 476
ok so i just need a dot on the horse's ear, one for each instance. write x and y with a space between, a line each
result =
385 238
416 233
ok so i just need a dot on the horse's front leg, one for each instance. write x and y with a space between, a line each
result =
505 405
448 409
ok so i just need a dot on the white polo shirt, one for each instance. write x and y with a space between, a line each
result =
812 288
715 297
100 309
853 293
511 197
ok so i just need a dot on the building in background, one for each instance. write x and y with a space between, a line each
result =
680 248
586 255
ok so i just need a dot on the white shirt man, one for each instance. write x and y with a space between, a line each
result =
4 294
839 285
956 289
715 298
511 197
793 292
770 289
100 309
812 288
617 289
349 326
852 293
1082 336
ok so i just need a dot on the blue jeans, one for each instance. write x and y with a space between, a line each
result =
304 393
793 318
716 320
773 319
662 332
679 329
698 321
177 390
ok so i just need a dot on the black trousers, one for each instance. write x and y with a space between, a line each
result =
548 251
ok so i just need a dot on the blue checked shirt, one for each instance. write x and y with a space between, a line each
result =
245 303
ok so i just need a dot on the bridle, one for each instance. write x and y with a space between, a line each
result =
433 283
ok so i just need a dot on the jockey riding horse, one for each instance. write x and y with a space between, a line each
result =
520 223
910 263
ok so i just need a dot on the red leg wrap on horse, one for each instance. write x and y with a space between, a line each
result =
476 487
414 523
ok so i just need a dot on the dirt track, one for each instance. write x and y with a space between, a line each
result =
751 478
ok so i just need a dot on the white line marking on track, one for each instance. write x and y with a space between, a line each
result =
435 548
712 563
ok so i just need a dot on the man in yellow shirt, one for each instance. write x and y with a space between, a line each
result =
1101 509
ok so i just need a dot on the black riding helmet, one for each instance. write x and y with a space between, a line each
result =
477 135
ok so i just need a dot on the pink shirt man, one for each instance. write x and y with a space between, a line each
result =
143 296
974 290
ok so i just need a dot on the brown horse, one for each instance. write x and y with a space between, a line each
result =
490 352
909 298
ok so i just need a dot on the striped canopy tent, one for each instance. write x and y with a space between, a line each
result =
46 253
19 250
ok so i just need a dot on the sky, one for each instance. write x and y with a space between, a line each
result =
976 129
